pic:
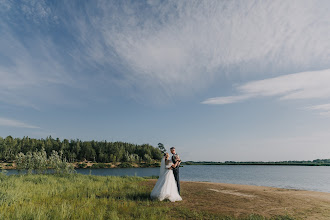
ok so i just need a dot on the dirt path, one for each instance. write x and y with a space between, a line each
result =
242 200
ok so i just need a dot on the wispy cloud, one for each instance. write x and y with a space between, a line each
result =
324 107
14 123
33 67
166 48
323 110
180 47
226 100
305 85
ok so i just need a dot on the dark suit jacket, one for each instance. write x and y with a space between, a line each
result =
176 169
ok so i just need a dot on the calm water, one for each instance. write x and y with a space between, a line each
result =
290 177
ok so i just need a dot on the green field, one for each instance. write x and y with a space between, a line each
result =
87 197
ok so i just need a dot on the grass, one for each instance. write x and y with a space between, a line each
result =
88 197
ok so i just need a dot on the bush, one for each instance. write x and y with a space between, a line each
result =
125 165
99 165
39 162
156 164
82 165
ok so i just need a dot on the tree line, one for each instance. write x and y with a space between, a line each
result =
317 162
78 151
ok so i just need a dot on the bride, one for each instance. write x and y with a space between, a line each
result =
166 187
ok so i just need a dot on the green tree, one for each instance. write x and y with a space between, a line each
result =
77 150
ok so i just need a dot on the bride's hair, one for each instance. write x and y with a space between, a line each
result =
166 156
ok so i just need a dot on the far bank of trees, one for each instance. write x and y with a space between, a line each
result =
77 150
317 162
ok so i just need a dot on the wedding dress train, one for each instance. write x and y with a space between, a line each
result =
166 187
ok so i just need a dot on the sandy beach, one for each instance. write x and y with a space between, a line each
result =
243 200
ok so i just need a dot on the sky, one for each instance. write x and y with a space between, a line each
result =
219 80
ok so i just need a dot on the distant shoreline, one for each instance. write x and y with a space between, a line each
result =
256 163
92 165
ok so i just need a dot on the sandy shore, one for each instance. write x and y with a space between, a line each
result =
243 200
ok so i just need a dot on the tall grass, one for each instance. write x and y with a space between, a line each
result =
78 196
75 197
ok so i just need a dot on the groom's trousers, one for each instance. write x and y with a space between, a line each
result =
176 177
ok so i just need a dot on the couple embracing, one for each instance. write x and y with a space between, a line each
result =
168 184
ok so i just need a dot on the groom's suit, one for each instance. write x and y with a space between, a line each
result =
176 173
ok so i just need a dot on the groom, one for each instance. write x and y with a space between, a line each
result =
175 158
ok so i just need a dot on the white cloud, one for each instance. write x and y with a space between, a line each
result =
305 85
180 47
185 45
325 114
325 107
226 100
168 47
36 10
14 123
323 110
31 66
31 74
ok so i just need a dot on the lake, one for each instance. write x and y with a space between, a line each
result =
314 178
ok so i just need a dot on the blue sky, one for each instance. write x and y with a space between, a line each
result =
219 80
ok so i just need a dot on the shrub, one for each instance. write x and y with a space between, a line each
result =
82 165
125 165
39 162
156 164
99 165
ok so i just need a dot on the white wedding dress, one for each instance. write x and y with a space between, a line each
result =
166 187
